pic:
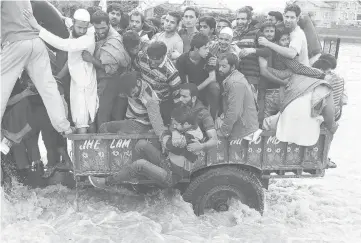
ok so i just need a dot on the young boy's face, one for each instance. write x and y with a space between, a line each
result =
284 40
269 33
180 127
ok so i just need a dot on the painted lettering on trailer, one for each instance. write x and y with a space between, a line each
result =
258 140
120 143
273 140
89 144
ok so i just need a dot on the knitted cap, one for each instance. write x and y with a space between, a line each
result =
227 30
82 15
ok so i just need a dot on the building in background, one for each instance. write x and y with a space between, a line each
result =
330 13
153 8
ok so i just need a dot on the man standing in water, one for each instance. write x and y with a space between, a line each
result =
23 49
83 87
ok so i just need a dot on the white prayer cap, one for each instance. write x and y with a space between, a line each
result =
82 15
227 30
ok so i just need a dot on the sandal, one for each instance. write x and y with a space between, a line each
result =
49 171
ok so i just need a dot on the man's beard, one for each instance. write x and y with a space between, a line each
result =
225 75
188 104
74 34
103 36
242 27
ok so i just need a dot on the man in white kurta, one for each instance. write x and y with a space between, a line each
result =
83 88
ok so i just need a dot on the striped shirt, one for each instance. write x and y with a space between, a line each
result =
338 86
164 80
249 65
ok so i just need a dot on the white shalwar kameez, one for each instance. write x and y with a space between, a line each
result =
84 101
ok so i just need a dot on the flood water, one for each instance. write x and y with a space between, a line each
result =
297 210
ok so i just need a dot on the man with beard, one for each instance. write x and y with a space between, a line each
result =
21 48
224 44
143 115
137 24
170 35
115 16
188 93
110 59
157 69
194 67
269 86
298 46
270 83
245 38
83 87
190 20
239 118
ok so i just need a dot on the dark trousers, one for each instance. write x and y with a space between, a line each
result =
211 95
26 152
152 165
119 108
109 101
23 122
166 107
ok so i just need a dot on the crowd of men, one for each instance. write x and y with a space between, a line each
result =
121 79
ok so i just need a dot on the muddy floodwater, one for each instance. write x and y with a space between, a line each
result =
297 210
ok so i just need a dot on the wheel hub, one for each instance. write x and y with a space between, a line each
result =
222 207
219 198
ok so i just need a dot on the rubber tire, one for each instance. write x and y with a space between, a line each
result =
245 182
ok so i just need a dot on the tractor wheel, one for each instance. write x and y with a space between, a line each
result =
214 189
